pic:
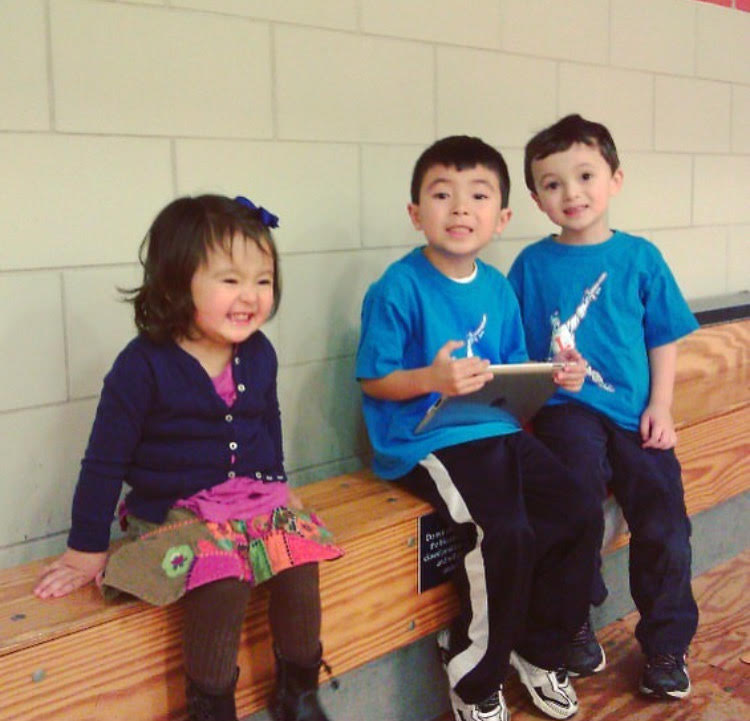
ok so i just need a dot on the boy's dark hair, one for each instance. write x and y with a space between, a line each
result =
559 137
173 249
461 152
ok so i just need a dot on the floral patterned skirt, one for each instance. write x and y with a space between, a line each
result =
160 562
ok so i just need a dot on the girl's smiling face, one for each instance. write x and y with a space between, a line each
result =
232 292
573 188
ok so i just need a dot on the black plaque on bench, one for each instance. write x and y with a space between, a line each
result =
438 552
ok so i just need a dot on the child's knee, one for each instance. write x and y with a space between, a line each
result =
668 533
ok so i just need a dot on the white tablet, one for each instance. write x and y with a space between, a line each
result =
516 389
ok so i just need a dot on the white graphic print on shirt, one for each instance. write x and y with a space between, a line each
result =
474 335
564 334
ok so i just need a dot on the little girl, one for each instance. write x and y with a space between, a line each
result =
189 419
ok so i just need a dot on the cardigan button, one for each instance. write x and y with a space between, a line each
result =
241 387
236 360
233 446
228 417
231 474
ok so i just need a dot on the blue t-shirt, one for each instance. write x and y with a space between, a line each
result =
613 301
407 317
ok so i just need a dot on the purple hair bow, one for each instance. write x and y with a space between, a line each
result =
268 219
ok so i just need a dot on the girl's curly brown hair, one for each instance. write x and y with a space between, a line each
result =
175 245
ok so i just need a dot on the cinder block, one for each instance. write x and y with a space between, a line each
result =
740 119
24 86
40 454
692 115
487 94
32 354
145 70
320 13
341 87
320 426
720 195
312 187
571 30
621 99
98 323
76 200
474 24
738 263
697 257
386 181
722 49
657 192
655 35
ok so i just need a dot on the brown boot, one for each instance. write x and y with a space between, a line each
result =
205 706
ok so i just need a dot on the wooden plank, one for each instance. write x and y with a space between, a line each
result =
336 490
697 399
714 349
715 458
113 671
713 372
361 516
25 620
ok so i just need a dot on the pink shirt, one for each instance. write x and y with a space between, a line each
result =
241 497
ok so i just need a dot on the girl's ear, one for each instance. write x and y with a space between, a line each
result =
413 210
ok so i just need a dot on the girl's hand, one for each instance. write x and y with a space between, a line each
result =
458 376
657 428
72 570
573 374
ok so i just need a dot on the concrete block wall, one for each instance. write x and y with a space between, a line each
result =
317 109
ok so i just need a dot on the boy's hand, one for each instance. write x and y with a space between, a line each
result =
573 374
657 428
458 376
72 570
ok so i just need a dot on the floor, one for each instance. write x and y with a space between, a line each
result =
719 662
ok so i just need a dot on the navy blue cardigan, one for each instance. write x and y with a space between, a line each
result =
161 428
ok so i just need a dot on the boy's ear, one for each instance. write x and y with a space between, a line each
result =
616 182
413 210
503 219
535 198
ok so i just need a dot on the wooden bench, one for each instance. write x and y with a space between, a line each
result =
80 658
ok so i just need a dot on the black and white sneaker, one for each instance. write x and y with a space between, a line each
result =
493 708
550 690
665 676
584 655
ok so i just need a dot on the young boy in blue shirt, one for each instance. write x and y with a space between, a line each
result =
430 326
612 296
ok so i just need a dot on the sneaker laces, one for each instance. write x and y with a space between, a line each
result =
490 703
583 635
665 661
